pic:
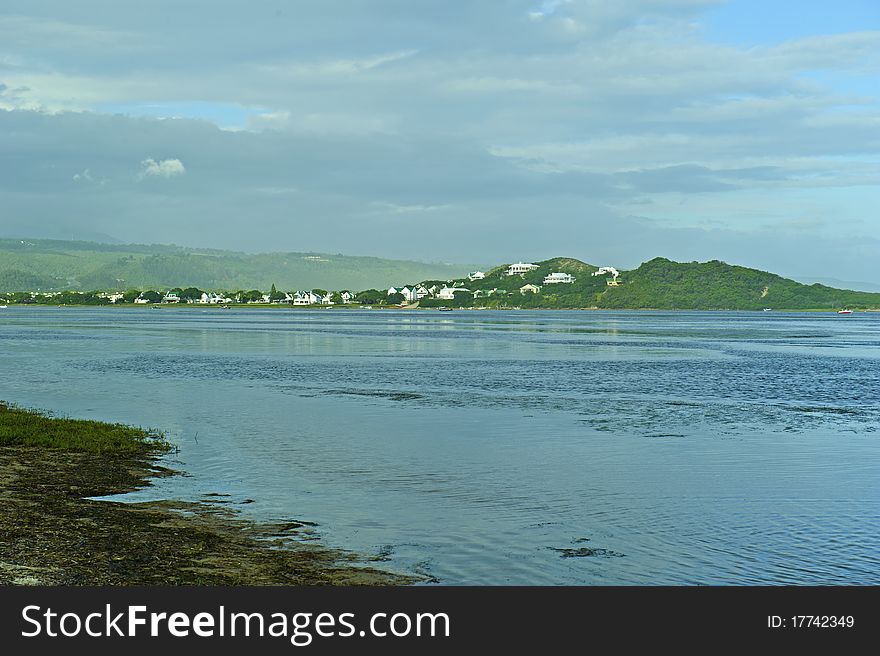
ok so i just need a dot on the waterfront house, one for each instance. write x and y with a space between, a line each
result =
212 298
306 298
113 297
417 293
448 293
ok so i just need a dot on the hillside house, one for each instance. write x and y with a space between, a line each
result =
520 268
559 278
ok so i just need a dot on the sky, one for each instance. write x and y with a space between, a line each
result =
449 130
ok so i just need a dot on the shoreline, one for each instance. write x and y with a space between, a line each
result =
267 306
53 532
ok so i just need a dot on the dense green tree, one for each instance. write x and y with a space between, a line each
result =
191 294
152 296
462 299
275 295
251 296
369 297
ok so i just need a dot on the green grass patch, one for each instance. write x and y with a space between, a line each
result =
22 427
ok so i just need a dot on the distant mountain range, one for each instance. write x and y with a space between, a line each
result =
51 265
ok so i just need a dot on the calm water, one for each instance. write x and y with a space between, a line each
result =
502 447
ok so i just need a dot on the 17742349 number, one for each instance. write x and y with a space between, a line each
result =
811 622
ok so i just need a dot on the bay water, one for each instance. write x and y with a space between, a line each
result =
514 447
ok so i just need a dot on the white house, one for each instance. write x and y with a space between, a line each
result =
411 294
210 298
113 297
476 275
347 297
448 293
558 277
417 293
306 298
520 268
613 282
171 297
529 289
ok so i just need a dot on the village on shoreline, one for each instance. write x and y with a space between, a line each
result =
558 283
458 293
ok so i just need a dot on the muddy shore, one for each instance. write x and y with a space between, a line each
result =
51 533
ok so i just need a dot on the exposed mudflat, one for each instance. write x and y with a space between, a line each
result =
51 533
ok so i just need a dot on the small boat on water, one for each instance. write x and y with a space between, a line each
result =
768 309
844 312
445 309
3 307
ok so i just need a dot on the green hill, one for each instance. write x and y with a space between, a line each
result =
47 265
660 284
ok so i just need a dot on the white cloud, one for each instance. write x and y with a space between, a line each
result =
340 66
165 168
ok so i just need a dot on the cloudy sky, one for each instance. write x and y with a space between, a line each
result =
446 130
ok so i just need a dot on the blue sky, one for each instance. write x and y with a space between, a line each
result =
455 131
227 116
767 22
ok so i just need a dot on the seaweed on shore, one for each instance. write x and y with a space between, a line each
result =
53 533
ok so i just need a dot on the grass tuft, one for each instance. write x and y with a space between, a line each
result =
22 427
